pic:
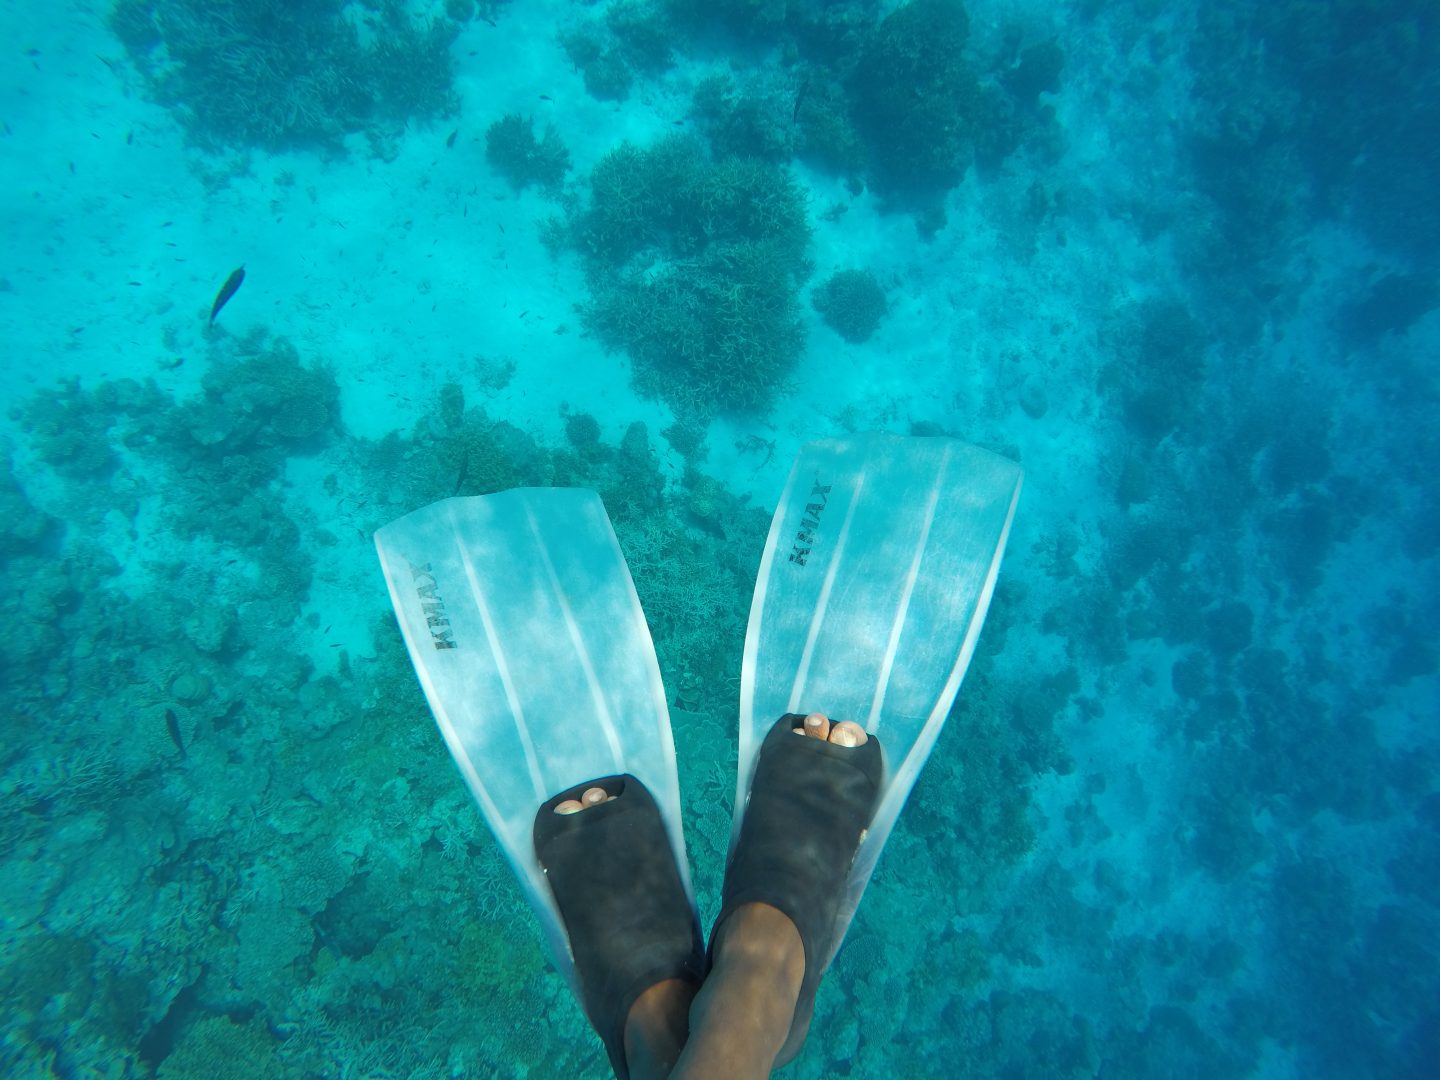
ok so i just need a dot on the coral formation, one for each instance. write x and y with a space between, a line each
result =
513 151
916 100
694 268
275 74
852 303
191 687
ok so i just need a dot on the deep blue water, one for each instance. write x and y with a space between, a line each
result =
1180 260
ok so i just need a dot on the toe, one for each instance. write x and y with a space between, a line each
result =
590 797
817 726
848 733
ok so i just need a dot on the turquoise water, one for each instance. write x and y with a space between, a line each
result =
1177 259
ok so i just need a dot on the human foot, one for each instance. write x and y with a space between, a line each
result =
740 1023
633 934
810 802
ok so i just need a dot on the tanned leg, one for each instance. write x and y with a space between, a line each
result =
736 1025
742 1015
657 1028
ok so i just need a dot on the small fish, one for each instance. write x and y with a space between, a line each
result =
172 724
464 468
231 286
451 140
547 97
327 629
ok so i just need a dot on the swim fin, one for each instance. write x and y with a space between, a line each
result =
879 568
524 627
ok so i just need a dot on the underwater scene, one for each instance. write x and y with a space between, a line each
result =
279 272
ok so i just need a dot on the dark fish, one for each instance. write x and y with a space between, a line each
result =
172 724
464 468
232 284
547 97
451 140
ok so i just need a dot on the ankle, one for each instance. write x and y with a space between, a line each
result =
657 1026
761 939
742 1016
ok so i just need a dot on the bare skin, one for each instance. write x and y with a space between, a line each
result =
733 1027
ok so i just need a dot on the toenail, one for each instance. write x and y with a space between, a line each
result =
569 806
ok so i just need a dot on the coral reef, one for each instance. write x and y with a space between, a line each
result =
852 303
276 74
915 99
631 39
749 122
694 267
513 151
